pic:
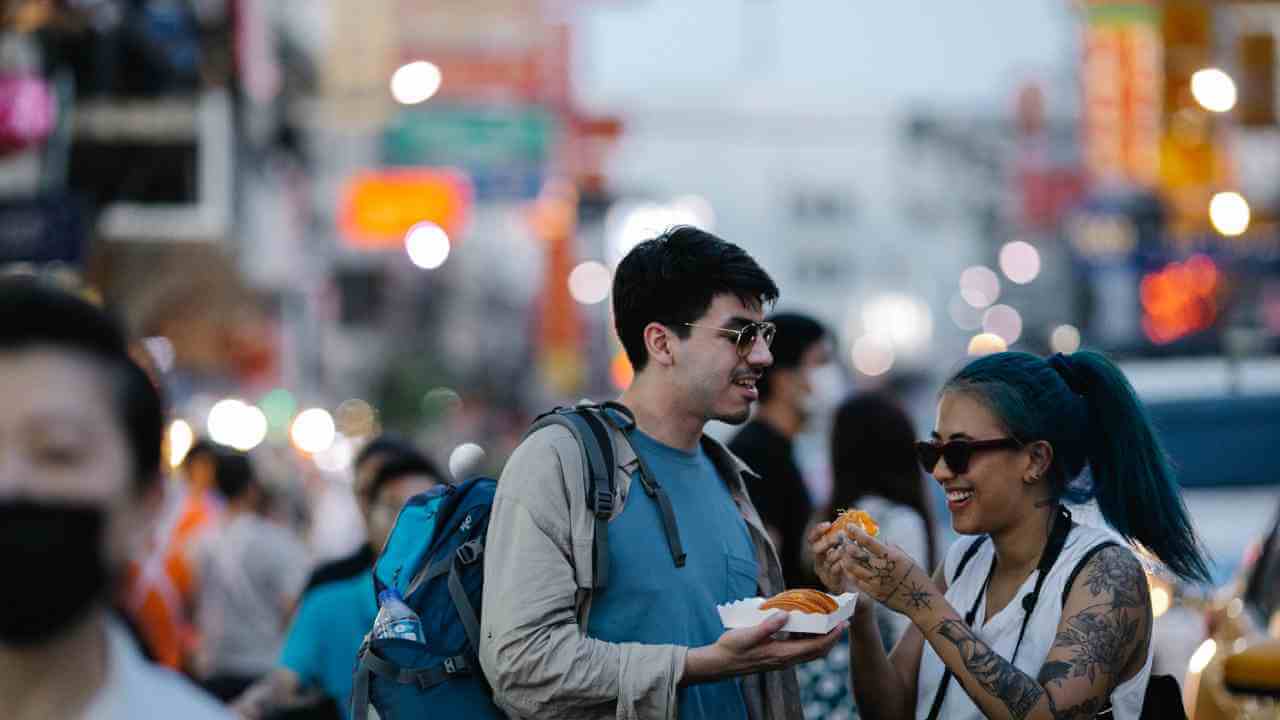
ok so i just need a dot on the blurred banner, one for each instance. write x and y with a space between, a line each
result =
1122 84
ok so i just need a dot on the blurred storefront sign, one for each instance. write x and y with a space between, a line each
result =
560 339
504 150
1122 84
378 208
41 230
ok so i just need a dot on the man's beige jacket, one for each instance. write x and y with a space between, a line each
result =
537 577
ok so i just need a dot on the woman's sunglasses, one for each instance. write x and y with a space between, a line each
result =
958 453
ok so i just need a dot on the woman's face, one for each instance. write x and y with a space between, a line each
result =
991 493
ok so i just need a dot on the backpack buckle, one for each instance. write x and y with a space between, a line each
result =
450 666
603 504
468 553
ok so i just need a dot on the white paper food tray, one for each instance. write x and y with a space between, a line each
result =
747 613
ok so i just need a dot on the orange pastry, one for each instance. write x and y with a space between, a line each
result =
807 601
860 517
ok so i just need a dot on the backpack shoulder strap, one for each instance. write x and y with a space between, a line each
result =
1084 560
598 461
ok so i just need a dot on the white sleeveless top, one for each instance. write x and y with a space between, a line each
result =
1001 633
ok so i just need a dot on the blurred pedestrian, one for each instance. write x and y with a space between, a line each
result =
689 310
1037 616
80 437
250 573
874 468
333 616
789 390
377 452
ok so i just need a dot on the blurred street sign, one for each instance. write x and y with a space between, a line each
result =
378 207
1122 86
504 150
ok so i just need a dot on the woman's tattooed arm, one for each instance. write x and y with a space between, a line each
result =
1105 628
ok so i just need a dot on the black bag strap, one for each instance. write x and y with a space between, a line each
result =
649 482
425 678
598 462
1057 539
466 612
968 555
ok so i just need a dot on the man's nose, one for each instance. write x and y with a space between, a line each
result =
760 355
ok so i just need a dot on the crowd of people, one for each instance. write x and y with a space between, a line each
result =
1028 614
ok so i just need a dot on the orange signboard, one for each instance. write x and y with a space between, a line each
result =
1122 91
378 207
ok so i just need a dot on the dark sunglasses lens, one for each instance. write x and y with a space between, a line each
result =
928 454
957 455
768 332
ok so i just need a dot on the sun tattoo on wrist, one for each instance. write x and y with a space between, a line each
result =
919 598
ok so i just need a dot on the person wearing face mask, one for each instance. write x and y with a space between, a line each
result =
80 437
797 386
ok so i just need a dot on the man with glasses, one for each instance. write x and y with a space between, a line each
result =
688 309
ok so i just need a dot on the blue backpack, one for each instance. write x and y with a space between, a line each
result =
434 557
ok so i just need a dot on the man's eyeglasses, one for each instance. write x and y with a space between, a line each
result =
745 337
958 453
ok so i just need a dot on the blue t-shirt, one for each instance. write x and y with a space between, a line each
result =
326 633
649 599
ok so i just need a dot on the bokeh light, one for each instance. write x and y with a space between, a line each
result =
1214 90
355 418
871 356
1004 321
465 460
1229 213
427 244
279 407
964 315
180 437
1065 339
440 402
313 430
620 370
901 322
629 224
415 82
1020 261
236 424
986 343
1179 299
590 282
338 457
979 286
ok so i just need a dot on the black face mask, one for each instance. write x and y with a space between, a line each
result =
51 561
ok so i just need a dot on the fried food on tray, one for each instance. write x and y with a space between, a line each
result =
806 601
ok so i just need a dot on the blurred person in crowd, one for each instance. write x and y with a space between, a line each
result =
80 487
377 452
789 392
689 311
250 573
1047 618
333 616
874 468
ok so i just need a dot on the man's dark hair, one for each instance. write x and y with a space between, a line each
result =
673 278
35 313
234 474
387 443
401 466
796 334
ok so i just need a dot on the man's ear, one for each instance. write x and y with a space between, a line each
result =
658 341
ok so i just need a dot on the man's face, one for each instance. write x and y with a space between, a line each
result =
715 381
385 506
61 443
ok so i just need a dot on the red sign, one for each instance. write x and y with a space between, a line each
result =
378 207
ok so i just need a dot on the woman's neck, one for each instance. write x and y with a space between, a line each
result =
59 678
1019 547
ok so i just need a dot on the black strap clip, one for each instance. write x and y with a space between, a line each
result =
603 505
469 552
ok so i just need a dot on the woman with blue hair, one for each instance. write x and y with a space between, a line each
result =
1032 615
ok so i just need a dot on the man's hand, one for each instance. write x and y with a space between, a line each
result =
743 651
